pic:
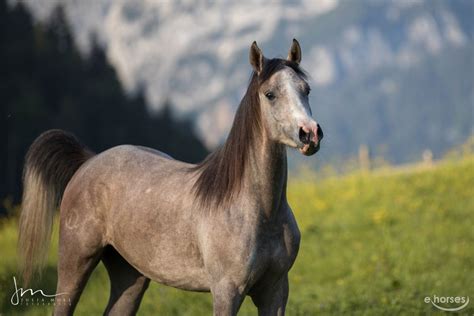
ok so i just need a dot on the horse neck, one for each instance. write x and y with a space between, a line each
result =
267 175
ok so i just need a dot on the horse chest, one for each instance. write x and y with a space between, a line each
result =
278 246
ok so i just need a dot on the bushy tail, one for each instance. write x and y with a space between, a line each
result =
50 163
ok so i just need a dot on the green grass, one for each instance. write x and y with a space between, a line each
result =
372 244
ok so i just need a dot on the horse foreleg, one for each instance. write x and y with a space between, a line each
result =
226 298
127 285
271 300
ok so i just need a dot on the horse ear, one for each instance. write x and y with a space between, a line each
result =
256 58
295 52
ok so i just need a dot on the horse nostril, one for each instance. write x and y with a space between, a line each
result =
319 132
305 138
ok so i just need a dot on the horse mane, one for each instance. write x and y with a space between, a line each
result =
221 173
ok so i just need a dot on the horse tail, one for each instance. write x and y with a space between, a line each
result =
50 163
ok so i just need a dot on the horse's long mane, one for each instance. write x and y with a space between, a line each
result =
222 172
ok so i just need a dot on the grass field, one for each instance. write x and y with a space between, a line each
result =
372 244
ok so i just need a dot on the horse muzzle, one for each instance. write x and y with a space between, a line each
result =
310 136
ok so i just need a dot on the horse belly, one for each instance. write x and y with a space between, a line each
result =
165 253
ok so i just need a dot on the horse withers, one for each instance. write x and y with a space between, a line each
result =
222 226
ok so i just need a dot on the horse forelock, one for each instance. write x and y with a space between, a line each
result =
220 175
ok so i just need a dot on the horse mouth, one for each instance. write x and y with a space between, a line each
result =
308 147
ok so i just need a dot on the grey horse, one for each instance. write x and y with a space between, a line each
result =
223 225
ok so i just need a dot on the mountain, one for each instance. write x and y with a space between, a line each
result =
394 75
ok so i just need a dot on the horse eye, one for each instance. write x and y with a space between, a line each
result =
270 96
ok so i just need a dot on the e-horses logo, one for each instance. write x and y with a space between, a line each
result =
436 300
17 296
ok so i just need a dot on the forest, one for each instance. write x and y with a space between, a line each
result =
46 82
